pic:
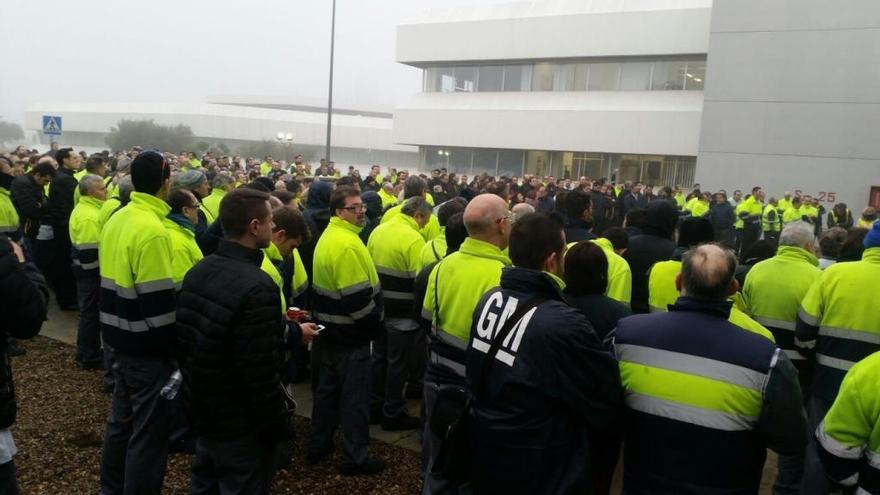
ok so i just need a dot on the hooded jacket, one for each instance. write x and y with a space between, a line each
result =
374 213
655 244
317 215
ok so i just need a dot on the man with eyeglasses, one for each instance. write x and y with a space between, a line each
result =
348 302
181 225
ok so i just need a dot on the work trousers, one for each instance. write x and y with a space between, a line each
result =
434 484
8 485
237 466
392 365
136 441
341 397
88 337
814 480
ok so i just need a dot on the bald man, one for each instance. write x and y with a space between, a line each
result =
455 287
705 397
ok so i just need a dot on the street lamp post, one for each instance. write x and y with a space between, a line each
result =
330 85
285 139
446 154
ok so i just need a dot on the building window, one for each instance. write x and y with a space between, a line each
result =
490 78
588 165
563 79
510 162
668 76
562 164
635 76
517 77
695 75
538 163
465 79
604 76
485 160
542 77
651 170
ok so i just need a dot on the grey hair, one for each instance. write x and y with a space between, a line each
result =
126 187
520 210
222 180
413 186
415 205
798 234
88 182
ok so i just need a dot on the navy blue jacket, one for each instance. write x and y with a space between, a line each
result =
548 391
578 230
667 452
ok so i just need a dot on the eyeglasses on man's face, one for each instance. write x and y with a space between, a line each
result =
509 217
355 208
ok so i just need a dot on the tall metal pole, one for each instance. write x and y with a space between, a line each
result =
330 85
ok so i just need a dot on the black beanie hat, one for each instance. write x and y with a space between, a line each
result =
149 171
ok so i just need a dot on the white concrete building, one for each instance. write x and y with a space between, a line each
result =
793 99
778 93
563 88
360 137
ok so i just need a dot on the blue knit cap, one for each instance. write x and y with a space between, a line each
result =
873 237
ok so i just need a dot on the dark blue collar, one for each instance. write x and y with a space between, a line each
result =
720 309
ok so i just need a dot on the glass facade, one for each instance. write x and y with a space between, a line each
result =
622 74
655 170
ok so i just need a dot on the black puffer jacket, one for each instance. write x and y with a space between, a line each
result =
229 342
23 297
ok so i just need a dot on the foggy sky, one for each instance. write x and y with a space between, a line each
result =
188 50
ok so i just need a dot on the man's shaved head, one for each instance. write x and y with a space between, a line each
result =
481 214
707 272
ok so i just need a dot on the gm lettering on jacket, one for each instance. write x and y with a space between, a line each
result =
493 317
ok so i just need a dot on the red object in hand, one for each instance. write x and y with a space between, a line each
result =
296 314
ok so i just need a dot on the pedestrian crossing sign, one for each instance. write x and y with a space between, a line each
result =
52 125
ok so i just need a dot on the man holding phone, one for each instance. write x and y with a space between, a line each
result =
229 342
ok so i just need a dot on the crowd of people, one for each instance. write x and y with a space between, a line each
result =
546 325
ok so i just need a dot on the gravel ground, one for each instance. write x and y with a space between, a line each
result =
61 417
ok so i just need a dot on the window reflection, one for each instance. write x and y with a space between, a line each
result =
623 75
604 76
510 162
517 77
635 76
465 79
542 77
491 78
668 75
695 75
655 170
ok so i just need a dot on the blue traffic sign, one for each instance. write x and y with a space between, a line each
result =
52 125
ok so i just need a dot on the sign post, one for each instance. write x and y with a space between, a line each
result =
52 125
